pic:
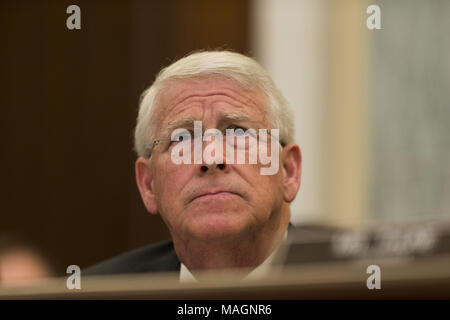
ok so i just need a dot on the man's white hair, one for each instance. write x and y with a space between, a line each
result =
223 64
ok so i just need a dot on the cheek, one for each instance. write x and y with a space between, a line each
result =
270 188
270 197
169 181
263 190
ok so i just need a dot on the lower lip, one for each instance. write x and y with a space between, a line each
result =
216 196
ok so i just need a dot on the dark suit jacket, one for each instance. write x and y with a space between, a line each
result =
159 257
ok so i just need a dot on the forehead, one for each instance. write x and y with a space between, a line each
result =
196 96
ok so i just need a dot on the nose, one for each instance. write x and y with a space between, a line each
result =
211 164
219 166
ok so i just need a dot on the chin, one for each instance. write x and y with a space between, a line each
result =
217 226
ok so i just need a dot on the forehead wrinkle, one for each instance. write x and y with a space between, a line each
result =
240 94
248 104
234 97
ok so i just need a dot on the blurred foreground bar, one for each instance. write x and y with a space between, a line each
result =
316 263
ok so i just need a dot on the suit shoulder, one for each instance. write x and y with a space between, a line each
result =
158 257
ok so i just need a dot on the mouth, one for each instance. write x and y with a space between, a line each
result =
219 194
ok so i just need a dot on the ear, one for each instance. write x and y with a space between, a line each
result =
144 179
292 167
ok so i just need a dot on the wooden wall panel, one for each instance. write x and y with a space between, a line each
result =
68 105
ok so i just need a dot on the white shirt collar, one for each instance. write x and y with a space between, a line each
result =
257 273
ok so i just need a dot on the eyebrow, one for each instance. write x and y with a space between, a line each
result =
180 123
238 117
188 122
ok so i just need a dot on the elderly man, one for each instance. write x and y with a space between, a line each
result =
221 212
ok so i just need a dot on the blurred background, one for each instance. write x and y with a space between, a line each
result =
372 111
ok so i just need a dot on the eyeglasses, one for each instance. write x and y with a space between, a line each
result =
230 135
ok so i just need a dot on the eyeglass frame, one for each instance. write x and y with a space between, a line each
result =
158 141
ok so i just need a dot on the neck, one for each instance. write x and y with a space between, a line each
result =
247 250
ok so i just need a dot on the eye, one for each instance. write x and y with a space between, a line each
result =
237 130
184 137
180 136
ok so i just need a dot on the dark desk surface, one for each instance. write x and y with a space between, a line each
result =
423 279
